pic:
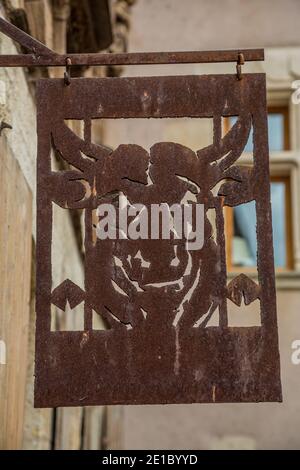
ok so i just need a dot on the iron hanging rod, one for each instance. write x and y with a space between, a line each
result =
41 56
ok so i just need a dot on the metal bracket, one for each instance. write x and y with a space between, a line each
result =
240 62
67 74
40 56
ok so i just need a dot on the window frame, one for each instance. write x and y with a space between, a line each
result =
284 109
229 231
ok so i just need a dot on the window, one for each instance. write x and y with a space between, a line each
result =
241 229
278 127
241 220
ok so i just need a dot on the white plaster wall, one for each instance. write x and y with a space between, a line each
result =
213 24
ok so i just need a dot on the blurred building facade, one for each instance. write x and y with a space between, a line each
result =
150 25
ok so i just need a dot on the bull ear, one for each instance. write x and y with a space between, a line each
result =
243 287
239 188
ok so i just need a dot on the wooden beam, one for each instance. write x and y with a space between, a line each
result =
15 276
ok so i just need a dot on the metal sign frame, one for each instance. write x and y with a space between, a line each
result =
145 356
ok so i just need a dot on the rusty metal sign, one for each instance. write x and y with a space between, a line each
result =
156 296
159 346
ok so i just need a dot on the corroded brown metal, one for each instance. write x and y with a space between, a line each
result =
133 58
159 347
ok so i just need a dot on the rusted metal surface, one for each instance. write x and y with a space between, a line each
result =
240 62
159 347
67 74
134 58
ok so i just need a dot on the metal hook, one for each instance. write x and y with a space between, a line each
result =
67 74
240 62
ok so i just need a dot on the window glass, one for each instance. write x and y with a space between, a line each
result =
244 230
276 131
